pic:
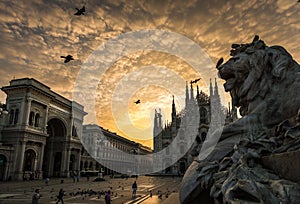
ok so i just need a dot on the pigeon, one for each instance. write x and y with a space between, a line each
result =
195 81
68 58
80 11
138 101
221 60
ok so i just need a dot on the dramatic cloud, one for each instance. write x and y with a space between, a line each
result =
34 34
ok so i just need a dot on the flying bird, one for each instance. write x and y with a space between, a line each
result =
138 101
195 81
221 60
68 58
80 11
256 38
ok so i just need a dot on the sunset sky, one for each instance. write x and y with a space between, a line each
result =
34 34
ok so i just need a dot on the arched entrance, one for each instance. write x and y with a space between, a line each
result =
29 160
53 152
3 162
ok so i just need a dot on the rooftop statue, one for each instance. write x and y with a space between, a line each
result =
264 83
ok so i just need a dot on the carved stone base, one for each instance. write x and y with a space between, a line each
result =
286 165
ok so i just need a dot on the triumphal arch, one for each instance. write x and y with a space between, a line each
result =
40 136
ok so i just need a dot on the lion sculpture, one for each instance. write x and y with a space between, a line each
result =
264 83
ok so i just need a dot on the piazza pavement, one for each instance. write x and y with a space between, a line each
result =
164 190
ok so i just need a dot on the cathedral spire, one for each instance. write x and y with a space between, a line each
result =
216 92
187 97
155 128
173 109
159 119
211 93
192 92
155 119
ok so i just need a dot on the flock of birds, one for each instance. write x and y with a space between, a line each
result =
79 12
69 58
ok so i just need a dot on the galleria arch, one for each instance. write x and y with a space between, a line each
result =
41 135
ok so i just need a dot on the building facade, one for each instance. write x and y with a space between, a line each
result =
40 137
43 136
115 153
179 126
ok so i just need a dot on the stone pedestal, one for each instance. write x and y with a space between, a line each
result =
286 165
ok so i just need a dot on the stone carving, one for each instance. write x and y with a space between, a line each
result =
264 82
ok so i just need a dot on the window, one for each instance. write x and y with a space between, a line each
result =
203 115
16 116
31 118
203 136
37 120
11 116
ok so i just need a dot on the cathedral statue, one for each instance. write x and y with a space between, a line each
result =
264 83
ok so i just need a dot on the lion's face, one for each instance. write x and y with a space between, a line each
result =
257 76
236 71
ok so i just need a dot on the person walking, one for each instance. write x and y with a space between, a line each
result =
60 196
108 197
36 196
134 188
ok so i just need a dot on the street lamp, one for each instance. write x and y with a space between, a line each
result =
3 110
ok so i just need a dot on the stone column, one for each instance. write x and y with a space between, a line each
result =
68 162
65 162
41 159
19 160
27 112
77 165
46 119
21 119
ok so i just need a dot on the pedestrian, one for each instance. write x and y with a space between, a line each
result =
134 188
77 176
107 197
47 181
60 196
36 196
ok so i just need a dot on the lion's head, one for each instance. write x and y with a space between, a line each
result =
257 75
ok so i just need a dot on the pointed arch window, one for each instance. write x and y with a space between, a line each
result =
203 115
203 136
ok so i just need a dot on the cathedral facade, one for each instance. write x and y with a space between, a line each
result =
165 134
